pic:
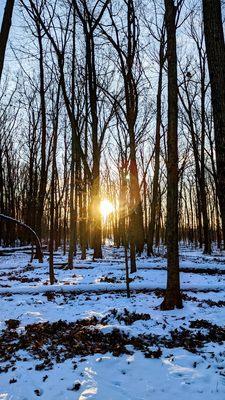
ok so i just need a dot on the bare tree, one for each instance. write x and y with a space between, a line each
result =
128 59
173 296
214 39
155 191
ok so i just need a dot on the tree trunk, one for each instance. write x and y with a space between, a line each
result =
72 213
4 34
214 39
173 296
95 208
152 224
43 174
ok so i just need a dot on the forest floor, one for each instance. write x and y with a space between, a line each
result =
82 338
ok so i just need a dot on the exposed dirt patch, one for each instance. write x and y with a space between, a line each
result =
127 317
23 279
109 279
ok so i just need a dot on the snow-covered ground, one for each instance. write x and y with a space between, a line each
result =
183 353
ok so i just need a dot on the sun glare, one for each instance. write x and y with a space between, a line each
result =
106 208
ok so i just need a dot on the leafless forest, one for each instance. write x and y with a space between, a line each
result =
112 128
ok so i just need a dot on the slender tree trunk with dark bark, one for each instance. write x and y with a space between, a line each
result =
53 191
173 296
43 173
214 39
72 231
52 214
4 34
154 201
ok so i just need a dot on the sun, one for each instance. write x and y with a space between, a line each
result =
106 208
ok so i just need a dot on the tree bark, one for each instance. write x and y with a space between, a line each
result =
173 296
4 34
214 39
152 224
43 174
